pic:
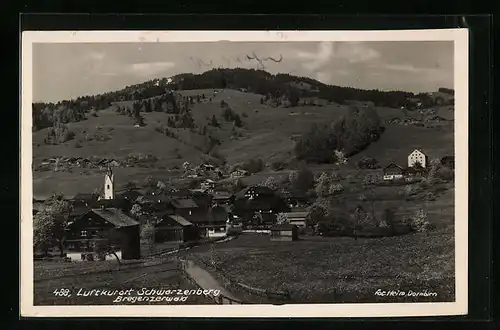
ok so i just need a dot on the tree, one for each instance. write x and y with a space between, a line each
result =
281 218
369 182
136 211
130 185
322 185
270 183
49 225
148 235
214 121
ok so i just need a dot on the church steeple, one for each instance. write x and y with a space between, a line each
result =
109 180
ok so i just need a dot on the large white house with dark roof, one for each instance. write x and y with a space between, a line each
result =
417 157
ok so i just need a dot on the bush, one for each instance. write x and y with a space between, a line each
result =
368 163
302 179
445 174
419 222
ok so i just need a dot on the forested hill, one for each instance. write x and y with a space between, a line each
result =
261 82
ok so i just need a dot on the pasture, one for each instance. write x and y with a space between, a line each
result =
266 134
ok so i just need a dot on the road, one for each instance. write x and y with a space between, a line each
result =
206 281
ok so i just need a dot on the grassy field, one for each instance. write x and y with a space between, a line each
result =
317 269
266 134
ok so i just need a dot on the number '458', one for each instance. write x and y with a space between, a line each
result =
62 292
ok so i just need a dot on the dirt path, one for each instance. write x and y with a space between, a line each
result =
206 281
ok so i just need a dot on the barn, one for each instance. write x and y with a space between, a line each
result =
175 228
111 227
284 232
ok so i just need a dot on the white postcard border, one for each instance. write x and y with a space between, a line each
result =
461 58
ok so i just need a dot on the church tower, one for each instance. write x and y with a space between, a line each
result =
109 189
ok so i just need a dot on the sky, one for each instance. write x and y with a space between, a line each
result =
68 70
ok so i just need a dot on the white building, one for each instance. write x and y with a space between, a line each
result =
109 181
417 157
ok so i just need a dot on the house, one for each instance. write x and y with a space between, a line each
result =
234 224
213 223
238 173
448 161
222 198
207 167
174 228
284 232
187 208
258 200
208 185
101 229
85 199
416 158
297 218
393 172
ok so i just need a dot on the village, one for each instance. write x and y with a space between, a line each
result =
133 222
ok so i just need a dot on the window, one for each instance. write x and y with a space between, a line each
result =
83 233
107 187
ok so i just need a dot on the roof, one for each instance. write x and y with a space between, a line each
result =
180 220
296 215
284 226
393 165
418 149
131 194
185 203
221 195
116 217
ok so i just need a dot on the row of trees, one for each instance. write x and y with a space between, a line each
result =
350 134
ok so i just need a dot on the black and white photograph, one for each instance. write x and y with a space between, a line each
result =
244 173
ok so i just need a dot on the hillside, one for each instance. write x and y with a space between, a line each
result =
267 133
275 88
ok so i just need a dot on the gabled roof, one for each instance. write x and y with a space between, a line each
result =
131 194
393 165
222 195
184 203
418 149
116 217
294 215
180 220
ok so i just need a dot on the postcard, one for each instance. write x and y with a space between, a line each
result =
244 173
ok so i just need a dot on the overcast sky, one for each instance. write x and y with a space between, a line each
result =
68 70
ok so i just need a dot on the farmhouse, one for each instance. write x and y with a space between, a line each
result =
174 228
284 232
297 218
85 199
213 222
393 172
108 227
416 158
207 185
